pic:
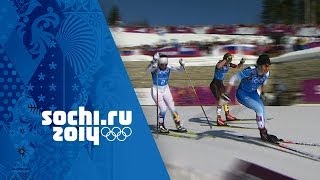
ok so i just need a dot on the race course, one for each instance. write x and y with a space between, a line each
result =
213 153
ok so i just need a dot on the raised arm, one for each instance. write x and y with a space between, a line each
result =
180 68
221 63
153 65
240 65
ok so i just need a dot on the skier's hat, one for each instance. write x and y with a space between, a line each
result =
263 59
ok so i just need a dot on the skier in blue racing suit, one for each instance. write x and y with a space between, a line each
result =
251 79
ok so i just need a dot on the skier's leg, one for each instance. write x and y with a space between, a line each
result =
167 96
217 88
252 101
163 109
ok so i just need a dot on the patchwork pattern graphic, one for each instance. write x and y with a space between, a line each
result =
59 55
11 89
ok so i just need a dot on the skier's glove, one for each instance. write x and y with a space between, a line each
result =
154 65
156 57
181 62
263 96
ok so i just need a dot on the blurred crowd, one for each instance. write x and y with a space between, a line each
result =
283 39
292 30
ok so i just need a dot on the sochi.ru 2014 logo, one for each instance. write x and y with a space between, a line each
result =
83 125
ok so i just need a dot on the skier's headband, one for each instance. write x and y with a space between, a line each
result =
163 60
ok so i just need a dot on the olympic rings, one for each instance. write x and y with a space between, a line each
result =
116 133
257 80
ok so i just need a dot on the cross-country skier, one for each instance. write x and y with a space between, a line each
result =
251 79
218 89
160 91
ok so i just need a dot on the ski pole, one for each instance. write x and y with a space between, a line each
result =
157 104
196 95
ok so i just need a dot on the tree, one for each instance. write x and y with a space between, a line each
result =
299 12
287 12
114 16
271 11
318 13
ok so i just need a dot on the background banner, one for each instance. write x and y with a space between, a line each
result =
311 90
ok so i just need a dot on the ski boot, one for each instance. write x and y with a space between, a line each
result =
268 137
179 127
220 121
163 129
229 117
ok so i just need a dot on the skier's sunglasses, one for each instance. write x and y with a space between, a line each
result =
229 58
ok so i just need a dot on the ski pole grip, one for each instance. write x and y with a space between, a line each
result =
225 97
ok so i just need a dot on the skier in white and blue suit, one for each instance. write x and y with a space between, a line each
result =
160 91
251 79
